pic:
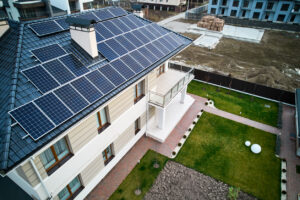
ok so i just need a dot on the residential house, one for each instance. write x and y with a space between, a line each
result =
78 92
281 11
169 5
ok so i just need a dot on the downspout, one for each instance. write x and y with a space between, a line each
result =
40 178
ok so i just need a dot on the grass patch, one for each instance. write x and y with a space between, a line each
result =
298 169
142 176
216 148
250 107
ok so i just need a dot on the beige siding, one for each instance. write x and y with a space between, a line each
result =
120 104
143 119
30 174
151 111
92 170
22 174
123 139
83 133
56 198
152 79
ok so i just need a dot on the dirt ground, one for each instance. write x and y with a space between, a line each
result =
274 62
157 15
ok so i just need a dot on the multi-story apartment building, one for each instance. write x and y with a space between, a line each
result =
297 100
78 93
274 11
169 5
35 9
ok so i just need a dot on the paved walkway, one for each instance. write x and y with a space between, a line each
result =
173 18
115 177
288 151
236 118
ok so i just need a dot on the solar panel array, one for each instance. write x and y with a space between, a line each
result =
58 25
69 86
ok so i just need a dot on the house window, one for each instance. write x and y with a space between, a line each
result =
161 70
266 17
244 13
235 3
214 2
224 3
71 190
222 11
138 91
270 6
55 156
137 125
285 7
297 8
292 18
256 15
213 11
246 4
102 117
280 18
107 154
233 13
259 5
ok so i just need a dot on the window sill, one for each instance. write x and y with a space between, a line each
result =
138 98
59 164
108 160
103 128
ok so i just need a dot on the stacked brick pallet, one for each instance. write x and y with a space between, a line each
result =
211 22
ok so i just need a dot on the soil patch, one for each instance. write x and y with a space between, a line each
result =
179 182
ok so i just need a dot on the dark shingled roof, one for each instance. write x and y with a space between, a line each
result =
15 55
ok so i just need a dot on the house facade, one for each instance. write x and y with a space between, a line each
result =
169 5
74 104
273 11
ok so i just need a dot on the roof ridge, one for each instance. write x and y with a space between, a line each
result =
13 92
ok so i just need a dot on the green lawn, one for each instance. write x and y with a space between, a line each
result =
216 148
142 176
251 107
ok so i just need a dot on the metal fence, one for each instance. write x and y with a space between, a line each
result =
242 86
196 13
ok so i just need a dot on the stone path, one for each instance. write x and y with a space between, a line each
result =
288 151
115 177
177 182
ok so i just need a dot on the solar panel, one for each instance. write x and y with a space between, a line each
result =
99 37
100 82
106 51
40 78
160 29
154 50
120 25
133 39
153 30
140 58
130 62
125 43
103 31
114 45
87 89
135 20
174 38
167 44
152 58
147 33
122 69
58 71
71 98
32 120
161 47
45 28
63 23
112 75
89 16
103 14
128 22
74 65
112 28
53 108
117 11
140 36
48 52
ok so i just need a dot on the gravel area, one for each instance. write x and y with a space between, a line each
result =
179 182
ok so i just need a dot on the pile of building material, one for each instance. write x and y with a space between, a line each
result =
211 22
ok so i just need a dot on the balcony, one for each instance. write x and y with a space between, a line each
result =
169 84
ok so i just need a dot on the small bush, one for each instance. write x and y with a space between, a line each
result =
120 190
179 144
283 181
206 103
233 193
283 192
194 122
283 170
198 116
184 136
190 129
173 153
202 110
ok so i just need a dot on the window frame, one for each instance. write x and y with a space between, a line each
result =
58 162
259 5
107 160
284 8
270 7
161 70
136 96
246 4
101 126
75 193
137 125
235 3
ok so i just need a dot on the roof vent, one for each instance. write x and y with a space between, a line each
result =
83 33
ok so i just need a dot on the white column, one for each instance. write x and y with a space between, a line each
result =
166 65
80 5
160 117
183 94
